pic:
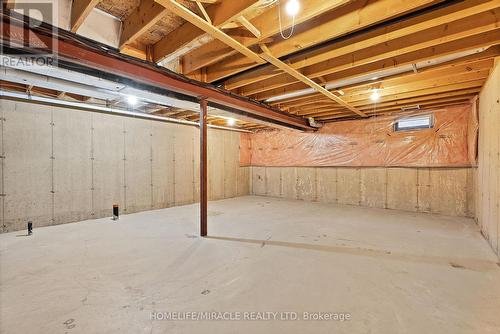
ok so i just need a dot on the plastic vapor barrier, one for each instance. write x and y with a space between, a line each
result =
369 142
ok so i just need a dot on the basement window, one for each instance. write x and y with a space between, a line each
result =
414 123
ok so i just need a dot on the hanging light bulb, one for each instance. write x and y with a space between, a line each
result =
292 7
231 121
375 95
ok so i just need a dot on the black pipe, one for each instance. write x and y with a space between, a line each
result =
115 212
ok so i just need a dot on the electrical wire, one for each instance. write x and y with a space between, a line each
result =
267 3
281 27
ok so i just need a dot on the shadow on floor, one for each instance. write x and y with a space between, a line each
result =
457 263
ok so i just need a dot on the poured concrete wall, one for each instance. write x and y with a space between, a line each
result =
488 177
61 165
447 191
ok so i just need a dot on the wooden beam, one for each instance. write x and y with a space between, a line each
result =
490 53
358 94
146 15
268 26
24 89
135 50
347 19
434 79
10 4
206 1
460 34
448 96
183 113
250 27
425 106
149 53
439 71
220 13
299 76
414 86
379 36
415 44
420 92
215 32
203 169
203 12
482 40
451 95
419 88
79 12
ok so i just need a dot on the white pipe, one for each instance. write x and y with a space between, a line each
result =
29 78
61 73
113 111
290 95
378 74
104 86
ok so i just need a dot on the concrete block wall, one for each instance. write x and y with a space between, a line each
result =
447 191
488 177
60 165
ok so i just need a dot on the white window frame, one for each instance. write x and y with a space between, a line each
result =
428 125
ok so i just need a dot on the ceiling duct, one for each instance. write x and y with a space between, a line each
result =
83 56
103 109
313 123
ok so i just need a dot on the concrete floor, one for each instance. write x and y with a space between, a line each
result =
391 271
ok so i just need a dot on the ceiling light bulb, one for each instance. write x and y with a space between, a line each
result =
292 7
375 95
231 122
132 100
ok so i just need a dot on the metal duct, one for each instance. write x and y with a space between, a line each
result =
102 109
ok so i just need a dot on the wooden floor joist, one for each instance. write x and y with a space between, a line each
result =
141 20
268 26
80 9
338 68
186 14
299 76
265 56
224 14
401 31
351 17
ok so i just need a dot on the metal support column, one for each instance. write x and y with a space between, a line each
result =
203 168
